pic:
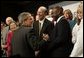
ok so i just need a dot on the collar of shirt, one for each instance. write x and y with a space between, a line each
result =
59 18
41 21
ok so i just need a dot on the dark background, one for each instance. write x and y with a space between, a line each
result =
14 8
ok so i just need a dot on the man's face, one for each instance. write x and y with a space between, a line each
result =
8 20
55 13
30 21
41 14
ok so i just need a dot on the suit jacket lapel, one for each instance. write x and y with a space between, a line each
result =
36 27
37 24
44 26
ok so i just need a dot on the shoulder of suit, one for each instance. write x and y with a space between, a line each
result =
36 22
63 19
47 20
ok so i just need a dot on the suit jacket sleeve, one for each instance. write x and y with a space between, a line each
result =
31 38
60 34
49 28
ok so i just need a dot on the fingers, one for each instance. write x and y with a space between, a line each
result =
45 37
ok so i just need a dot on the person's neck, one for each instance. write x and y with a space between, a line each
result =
56 18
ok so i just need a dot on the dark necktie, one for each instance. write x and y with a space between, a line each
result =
39 27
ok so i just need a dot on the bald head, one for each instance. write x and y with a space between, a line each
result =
43 8
42 12
80 11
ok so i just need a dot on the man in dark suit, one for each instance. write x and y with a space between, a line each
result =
22 41
42 26
60 40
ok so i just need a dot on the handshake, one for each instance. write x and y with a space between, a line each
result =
45 37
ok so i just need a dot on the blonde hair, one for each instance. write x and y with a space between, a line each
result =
80 10
80 7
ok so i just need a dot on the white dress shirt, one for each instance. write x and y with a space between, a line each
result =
41 23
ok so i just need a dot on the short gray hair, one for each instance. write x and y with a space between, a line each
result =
23 16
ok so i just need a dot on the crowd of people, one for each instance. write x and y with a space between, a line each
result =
55 34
